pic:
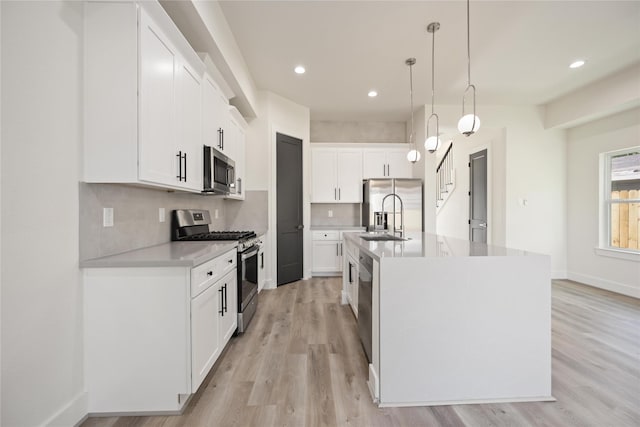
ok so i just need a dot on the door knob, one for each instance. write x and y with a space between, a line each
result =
300 227
482 225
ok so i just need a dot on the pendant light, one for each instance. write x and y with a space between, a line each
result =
413 155
469 123
432 143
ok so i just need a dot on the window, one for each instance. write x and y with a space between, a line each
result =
621 197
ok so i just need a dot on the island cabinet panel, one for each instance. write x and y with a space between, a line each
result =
471 324
350 276
142 98
470 329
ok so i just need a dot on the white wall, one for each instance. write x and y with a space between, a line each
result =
278 115
42 346
452 217
585 143
534 170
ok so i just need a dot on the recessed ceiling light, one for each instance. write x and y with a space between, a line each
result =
577 64
299 69
372 94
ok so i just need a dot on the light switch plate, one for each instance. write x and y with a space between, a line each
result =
330 213
161 216
107 217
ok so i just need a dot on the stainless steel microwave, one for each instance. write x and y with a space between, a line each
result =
219 172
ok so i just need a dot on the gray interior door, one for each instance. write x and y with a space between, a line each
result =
289 208
478 197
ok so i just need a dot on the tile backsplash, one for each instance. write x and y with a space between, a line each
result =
136 216
345 214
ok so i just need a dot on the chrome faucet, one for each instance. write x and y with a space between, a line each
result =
394 214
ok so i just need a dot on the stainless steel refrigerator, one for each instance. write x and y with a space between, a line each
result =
410 191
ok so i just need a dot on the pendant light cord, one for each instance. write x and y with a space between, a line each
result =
468 47
433 48
411 96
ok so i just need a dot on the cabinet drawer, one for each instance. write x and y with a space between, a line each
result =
326 235
208 273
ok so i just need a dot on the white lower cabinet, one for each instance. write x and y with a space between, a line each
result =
205 339
350 276
152 334
327 252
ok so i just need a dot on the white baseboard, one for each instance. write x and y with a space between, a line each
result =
609 285
269 284
559 275
72 414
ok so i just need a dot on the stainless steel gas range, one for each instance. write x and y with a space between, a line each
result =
193 225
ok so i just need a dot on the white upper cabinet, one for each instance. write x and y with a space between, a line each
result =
386 163
215 118
236 138
190 121
336 175
143 98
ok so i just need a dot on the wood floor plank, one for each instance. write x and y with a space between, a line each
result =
301 364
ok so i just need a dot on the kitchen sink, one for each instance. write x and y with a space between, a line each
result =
380 237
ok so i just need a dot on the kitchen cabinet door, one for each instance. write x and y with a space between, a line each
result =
205 337
386 163
215 116
190 150
351 280
397 164
336 175
158 160
326 256
374 164
323 175
349 175
228 307
236 138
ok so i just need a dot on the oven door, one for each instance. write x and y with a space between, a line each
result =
247 276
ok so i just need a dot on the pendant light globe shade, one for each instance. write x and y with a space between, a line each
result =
413 156
432 144
469 124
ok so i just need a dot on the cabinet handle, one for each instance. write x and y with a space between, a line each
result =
337 249
261 260
179 156
185 167
239 185
341 253
339 195
221 311
350 278
225 298
335 193
222 132
209 273
220 138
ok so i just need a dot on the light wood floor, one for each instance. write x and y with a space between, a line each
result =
301 364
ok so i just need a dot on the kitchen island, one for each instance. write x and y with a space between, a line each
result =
452 321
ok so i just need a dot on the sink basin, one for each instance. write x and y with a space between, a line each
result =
380 237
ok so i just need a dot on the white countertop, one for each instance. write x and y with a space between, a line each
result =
337 227
173 254
427 245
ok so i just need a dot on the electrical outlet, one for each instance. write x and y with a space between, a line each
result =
330 213
107 217
161 216
215 214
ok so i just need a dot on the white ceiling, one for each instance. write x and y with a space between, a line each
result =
520 50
